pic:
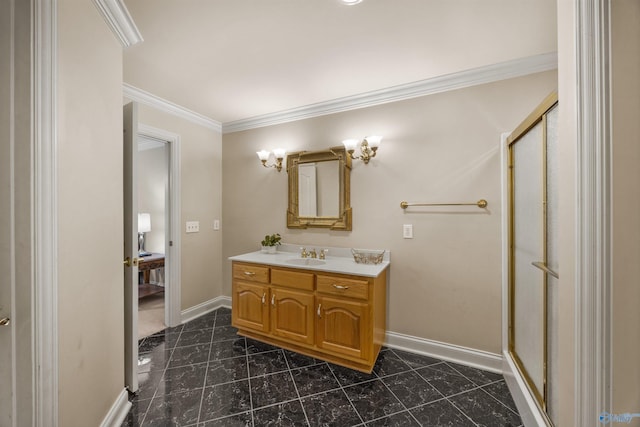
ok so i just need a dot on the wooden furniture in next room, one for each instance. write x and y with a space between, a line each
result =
148 263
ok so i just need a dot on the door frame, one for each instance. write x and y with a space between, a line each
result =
173 237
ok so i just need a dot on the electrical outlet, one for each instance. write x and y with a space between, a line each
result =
193 226
216 224
407 231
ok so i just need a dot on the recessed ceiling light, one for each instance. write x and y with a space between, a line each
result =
351 2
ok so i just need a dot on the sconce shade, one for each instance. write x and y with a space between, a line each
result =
263 155
279 153
350 144
374 141
144 222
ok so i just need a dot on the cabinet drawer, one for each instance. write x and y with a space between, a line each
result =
251 273
292 279
343 287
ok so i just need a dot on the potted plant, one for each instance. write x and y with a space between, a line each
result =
270 243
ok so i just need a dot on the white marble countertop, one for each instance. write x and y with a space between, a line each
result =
340 260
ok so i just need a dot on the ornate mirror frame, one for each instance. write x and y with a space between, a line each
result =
343 220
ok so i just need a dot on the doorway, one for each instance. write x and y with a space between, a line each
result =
153 220
163 266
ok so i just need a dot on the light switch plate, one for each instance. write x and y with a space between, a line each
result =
407 231
193 226
216 224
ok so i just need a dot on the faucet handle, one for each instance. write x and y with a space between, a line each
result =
323 253
304 252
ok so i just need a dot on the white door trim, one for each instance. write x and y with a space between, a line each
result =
45 214
593 219
172 306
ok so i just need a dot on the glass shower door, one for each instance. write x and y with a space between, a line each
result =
533 258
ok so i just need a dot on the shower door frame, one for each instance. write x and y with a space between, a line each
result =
539 397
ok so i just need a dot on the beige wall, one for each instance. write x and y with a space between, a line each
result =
90 296
446 282
625 42
153 176
201 194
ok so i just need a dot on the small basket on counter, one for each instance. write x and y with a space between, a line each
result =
367 256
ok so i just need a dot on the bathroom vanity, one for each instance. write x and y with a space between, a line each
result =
333 309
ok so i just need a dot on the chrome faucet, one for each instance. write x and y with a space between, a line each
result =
304 253
313 253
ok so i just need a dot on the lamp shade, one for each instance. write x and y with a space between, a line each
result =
263 155
144 222
350 144
279 153
374 141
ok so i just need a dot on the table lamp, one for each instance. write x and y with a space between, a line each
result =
144 226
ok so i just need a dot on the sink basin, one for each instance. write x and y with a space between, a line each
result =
305 261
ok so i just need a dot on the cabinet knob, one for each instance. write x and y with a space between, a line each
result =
319 312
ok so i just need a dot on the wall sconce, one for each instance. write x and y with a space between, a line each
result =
278 153
368 147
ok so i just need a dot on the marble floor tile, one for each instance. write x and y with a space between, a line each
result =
226 370
225 399
314 379
484 410
388 364
446 383
373 400
228 349
203 374
191 355
288 414
268 362
330 409
271 389
348 376
500 391
401 419
442 414
411 389
177 409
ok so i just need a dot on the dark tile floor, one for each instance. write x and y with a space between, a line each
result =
203 374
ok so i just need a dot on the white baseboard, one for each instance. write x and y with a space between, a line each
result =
463 355
204 308
118 411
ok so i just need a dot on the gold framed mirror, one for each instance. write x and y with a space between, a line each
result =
319 189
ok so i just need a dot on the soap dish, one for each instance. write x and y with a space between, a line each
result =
366 256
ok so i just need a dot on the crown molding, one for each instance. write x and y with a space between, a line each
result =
143 97
476 76
120 21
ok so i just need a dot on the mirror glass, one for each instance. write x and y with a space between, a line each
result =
319 189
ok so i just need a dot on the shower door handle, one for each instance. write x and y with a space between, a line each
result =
542 266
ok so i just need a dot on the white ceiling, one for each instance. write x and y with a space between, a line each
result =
235 59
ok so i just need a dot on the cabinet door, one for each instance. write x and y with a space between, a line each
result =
292 315
249 306
342 326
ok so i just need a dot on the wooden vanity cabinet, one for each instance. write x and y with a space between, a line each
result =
334 317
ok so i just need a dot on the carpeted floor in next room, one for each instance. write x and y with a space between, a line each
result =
203 374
